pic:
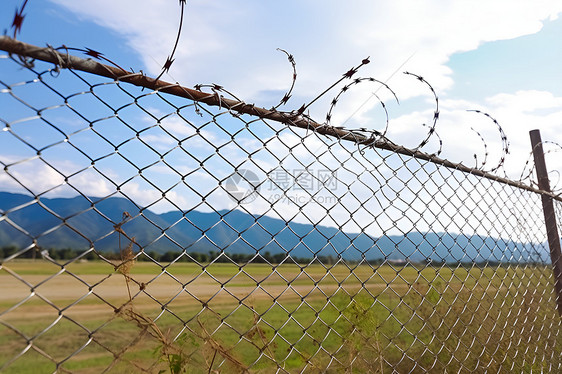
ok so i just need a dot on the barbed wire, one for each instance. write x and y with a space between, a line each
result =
361 135
289 93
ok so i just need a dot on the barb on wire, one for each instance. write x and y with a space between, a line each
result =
92 53
287 95
435 113
215 88
440 141
347 75
505 142
485 158
170 60
18 19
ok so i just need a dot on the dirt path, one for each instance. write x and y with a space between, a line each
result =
101 294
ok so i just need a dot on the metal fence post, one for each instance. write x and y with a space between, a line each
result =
549 215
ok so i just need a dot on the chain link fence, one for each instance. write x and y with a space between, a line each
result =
143 231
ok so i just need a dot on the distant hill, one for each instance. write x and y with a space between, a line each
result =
76 223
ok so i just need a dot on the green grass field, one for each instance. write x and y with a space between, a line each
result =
254 318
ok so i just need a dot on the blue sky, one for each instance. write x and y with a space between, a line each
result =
501 57
524 63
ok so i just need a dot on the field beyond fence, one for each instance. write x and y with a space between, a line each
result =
150 227
417 319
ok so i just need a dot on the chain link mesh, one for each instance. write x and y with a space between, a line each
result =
150 232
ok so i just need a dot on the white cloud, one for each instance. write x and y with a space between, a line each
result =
527 101
41 178
34 176
517 114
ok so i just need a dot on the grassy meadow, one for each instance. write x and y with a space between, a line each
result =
87 317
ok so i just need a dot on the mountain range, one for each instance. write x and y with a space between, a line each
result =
78 223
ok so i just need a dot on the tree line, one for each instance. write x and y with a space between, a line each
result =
238 258
169 256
